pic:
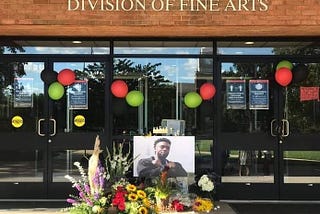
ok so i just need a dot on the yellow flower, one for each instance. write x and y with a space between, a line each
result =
131 188
203 205
133 197
143 210
146 202
141 194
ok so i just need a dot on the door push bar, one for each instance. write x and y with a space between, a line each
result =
40 121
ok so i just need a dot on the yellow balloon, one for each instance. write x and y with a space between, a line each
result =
79 120
17 121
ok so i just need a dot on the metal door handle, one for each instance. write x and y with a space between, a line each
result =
285 128
39 127
54 127
272 127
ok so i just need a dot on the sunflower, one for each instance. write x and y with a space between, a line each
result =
133 197
141 194
146 202
131 188
143 210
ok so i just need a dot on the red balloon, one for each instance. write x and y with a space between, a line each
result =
66 77
119 88
283 76
207 91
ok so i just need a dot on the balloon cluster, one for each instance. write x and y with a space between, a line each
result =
287 73
119 88
57 81
194 99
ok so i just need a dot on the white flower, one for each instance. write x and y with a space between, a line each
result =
96 209
205 183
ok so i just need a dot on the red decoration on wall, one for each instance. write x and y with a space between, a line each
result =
66 77
119 88
309 93
207 91
283 76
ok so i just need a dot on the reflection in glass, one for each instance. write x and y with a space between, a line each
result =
62 47
63 163
21 93
248 166
164 82
301 166
21 166
93 113
204 156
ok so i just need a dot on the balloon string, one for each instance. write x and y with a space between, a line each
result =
285 113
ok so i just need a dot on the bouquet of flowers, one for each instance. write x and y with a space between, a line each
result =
87 202
105 189
128 198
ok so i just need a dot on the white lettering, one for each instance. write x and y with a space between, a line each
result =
109 6
264 5
160 5
123 5
243 5
214 5
141 4
70 5
93 5
230 5
168 4
183 4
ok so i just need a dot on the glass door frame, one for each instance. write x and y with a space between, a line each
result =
248 191
47 189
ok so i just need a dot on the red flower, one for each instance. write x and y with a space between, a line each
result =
119 198
177 206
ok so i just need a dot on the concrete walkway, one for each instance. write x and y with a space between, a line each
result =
221 208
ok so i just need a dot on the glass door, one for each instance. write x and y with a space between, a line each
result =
249 149
23 152
269 133
42 137
300 150
79 116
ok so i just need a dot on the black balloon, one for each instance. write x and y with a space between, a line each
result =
300 73
48 76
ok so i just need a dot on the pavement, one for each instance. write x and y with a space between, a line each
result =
220 208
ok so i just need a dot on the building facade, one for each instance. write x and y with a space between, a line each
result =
258 132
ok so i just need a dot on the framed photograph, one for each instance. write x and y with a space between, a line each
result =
182 150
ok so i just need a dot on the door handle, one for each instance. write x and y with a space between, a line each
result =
54 122
273 127
285 128
40 121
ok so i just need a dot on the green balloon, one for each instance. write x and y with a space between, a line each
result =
56 91
285 64
192 99
134 98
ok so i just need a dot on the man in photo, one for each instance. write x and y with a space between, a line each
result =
152 166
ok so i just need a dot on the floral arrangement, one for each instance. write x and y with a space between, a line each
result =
87 202
105 189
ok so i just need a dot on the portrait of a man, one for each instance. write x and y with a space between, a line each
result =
175 153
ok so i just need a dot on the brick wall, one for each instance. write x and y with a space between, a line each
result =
227 18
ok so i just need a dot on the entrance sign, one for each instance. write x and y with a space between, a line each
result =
22 90
258 94
78 95
168 5
236 94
